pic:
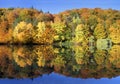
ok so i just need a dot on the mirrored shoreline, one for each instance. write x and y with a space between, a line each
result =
74 61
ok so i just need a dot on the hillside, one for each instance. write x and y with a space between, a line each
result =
79 26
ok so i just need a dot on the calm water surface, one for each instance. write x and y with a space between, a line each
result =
59 65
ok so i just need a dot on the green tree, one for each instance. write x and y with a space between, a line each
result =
59 28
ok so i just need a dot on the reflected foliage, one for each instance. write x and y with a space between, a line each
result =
75 61
81 43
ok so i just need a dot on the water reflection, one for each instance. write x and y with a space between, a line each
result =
73 61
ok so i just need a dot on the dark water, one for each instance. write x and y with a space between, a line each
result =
59 64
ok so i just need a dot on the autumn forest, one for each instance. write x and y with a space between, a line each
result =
76 43
74 26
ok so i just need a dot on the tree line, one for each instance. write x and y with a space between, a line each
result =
22 25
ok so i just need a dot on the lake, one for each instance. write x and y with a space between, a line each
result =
47 64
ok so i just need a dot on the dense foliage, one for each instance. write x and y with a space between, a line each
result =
76 26
85 43
75 61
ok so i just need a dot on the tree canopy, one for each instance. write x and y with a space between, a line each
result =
22 25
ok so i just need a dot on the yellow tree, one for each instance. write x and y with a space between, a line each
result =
39 32
23 32
79 34
100 32
114 55
79 54
100 56
23 56
40 58
59 27
43 54
114 33
41 28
